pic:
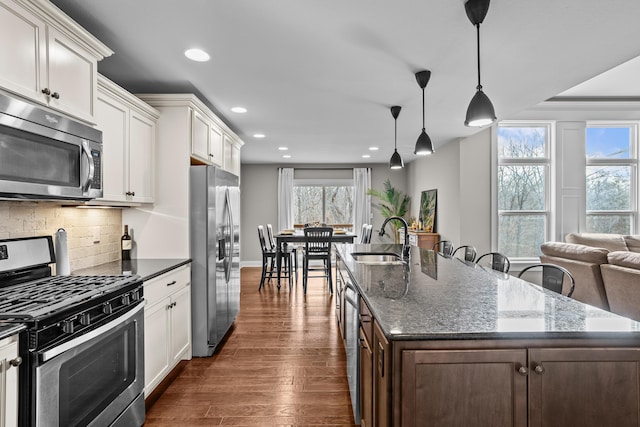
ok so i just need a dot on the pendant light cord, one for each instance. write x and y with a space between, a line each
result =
423 109
395 134
479 87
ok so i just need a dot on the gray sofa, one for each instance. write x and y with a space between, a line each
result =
606 268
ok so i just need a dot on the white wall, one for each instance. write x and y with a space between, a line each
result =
461 172
258 198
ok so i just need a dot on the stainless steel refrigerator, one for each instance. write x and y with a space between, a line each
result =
215 253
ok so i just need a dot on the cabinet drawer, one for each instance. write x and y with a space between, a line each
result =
366 320
162 286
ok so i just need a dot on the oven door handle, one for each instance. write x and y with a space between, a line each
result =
50 354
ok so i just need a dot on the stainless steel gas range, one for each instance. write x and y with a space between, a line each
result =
83 355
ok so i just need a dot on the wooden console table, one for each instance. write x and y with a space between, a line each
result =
422 239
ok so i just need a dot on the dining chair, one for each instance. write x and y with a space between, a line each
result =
317 246
367 229
363 235
465 252
269 261
443 247
495 260
287 251
553 277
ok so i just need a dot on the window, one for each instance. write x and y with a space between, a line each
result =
611 177
323 201
523 188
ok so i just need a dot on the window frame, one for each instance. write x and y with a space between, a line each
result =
549 184
632 162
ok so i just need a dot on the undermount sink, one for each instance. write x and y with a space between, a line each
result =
376 258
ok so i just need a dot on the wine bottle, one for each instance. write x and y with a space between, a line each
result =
125 244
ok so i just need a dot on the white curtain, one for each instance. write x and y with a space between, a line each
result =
285 198
361 201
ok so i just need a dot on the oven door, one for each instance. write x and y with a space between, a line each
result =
96 378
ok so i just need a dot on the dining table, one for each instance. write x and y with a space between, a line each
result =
285 237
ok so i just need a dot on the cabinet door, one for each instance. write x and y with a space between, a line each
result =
72 76
9 383
235 159
200 134
587 387
180 323
228 153
451 387
156 344
215 148
142 131
23 39
112 119
366 381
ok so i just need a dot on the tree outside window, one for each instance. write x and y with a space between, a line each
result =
611 175
328 204
523 189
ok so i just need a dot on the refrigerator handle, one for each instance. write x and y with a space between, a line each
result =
231 233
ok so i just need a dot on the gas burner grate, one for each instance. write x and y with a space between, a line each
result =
37 298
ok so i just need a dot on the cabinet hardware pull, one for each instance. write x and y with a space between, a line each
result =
133 193
365 318
523 371
55 95
46 91
539 369
16 362
171 283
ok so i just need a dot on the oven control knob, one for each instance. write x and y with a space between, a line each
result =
67 326
85 319
126 299
135 295
106 308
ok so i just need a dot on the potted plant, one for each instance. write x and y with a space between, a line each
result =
392 203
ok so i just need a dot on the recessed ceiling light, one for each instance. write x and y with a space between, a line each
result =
373 148
239 110
283 148
259 135
366 156
197 55
286 156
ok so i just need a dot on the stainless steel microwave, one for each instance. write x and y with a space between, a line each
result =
47 156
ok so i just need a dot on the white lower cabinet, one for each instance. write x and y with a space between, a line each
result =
167 324
9 362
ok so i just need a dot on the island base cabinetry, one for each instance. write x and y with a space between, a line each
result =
500 383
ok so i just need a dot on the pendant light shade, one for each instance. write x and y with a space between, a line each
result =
396 161
480 111
423 144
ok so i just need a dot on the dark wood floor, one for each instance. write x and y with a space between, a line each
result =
282 365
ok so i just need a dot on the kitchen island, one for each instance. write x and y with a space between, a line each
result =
444 342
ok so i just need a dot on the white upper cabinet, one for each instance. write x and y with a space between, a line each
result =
47 58
128 128
209 140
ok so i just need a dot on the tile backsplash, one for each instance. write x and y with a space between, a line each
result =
93 234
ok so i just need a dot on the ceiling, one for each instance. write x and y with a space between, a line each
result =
319 76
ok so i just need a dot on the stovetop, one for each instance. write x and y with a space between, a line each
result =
43 297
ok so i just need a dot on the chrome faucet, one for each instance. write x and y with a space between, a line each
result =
405 245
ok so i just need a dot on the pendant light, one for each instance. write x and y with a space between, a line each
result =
396 161
423 144
480 111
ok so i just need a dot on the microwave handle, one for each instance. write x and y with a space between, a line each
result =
86 150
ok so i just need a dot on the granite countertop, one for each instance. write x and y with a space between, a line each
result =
147 268
9 329
443 298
